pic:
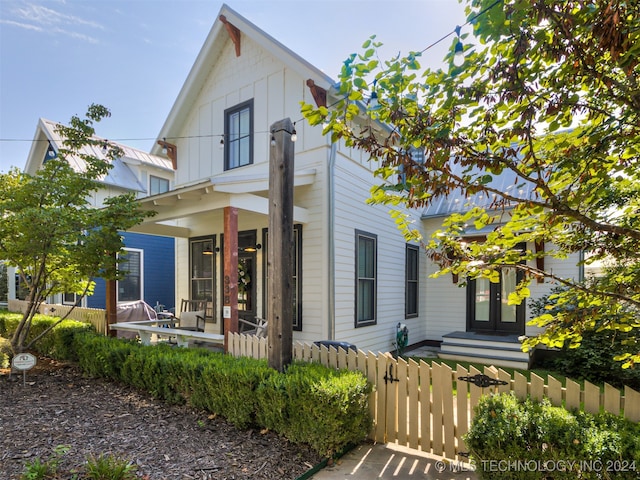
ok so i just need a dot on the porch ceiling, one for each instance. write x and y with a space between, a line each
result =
180 209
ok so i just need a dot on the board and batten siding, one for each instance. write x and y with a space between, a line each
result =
276 92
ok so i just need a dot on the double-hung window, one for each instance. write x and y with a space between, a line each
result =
130 285
411 281
238 132
202 268
366 278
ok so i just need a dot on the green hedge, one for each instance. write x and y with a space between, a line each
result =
323 407
57 343
509 439
310 404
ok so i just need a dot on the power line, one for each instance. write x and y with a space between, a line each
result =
455 31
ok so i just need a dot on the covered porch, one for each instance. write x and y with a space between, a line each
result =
220 228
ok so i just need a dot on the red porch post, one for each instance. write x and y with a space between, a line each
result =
230 277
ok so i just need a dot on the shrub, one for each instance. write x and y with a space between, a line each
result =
8 323
525 437
314 404
593 360
57 343
5 352
102 356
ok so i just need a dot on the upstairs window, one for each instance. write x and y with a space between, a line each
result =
238 132
158 185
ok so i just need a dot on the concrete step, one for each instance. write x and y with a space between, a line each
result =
497 362
499 350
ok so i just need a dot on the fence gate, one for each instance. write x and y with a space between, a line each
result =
414 405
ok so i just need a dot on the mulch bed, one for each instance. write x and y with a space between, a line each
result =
59 406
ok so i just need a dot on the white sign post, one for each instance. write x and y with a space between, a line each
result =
24 361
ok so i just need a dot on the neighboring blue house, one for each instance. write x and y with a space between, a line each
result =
150 259
157 285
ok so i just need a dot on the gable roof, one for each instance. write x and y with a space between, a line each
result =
120 175
206 59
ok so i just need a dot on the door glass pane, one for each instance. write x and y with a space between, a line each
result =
296 284
483 297
245 286
509 281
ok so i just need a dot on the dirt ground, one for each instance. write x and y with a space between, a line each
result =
58 406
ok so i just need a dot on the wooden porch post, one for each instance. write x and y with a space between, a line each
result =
230 277
280 247
111 304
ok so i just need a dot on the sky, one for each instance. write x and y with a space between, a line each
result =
59 56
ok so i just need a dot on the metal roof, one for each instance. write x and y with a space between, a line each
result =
120 175
457 202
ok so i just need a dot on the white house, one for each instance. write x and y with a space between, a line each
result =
355 278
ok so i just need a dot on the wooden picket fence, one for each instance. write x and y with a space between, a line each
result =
428 407
95 316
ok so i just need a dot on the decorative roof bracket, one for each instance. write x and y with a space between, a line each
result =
319 93
233 32
172 152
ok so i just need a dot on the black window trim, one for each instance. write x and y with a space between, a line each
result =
227 139
297 233
407 280
374 321
156 177
125 252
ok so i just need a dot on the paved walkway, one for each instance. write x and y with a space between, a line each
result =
370 461
390 461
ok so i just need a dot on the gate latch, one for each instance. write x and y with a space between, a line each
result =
480 380
388 376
